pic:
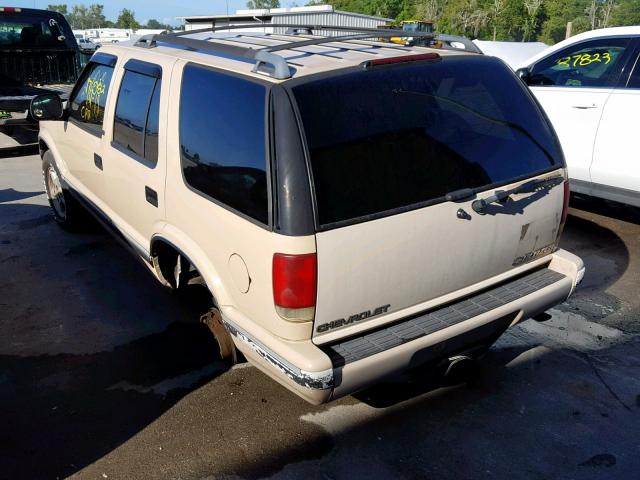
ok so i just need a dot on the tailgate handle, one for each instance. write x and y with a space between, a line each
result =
459 195
97 160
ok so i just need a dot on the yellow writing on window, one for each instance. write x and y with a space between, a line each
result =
584 59
93 91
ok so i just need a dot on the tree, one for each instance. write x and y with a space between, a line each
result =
78 17
83 17
532 8
605 12
156 25
429 10
496 10
62 8
96 15
626 12
471 18
263 4
127 20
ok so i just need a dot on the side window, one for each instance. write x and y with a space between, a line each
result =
593 63
137 115
90 96
222 139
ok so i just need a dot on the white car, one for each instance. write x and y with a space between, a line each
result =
589 86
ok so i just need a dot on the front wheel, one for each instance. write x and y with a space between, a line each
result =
66 210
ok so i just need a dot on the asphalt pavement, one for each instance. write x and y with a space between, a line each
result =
105 374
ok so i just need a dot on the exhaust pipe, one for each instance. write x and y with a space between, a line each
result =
460 367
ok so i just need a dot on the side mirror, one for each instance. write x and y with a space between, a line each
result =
524 74
47 107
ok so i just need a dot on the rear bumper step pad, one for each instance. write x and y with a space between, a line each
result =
424 324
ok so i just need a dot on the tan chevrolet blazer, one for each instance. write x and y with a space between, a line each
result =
356 208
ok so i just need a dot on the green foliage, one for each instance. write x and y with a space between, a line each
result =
127 19
83 17
62 8
156 25
626 13
263 4
511 20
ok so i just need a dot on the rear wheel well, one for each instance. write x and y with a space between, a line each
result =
174 269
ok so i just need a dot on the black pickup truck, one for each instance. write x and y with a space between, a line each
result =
38 54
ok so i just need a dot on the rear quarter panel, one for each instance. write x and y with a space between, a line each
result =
210 234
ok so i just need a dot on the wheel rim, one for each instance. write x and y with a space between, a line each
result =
56 195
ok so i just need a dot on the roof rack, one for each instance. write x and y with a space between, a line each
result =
297 29
266 60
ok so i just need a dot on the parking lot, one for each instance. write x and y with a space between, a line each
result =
104 374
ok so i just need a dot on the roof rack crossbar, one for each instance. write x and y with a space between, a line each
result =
339 38
279 68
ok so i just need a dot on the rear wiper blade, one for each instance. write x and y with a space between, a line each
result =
500 196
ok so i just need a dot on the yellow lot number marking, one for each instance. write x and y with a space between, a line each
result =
584 59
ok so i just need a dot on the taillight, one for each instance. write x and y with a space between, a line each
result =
10 10
294 286
565 205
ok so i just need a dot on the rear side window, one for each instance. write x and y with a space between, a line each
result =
593 63
87 105
22 30
398 137
222 139
137 111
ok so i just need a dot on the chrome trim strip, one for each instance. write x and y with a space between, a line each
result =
313 380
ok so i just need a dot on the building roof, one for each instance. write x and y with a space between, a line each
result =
275 12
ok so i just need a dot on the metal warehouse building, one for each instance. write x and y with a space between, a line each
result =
315 15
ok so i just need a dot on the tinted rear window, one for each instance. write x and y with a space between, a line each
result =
400 136
26 30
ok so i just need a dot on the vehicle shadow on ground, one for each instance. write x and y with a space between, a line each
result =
585 237
92 349
608 208
528 414
18 150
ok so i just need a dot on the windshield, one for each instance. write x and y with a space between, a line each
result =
394 137
22 30
410 27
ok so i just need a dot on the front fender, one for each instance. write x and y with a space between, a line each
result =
45 138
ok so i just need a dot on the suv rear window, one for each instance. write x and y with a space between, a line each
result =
403 136
22 30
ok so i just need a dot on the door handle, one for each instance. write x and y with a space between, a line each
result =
584 107
97 160
151 195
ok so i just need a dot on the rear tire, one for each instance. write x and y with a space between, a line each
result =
66 210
